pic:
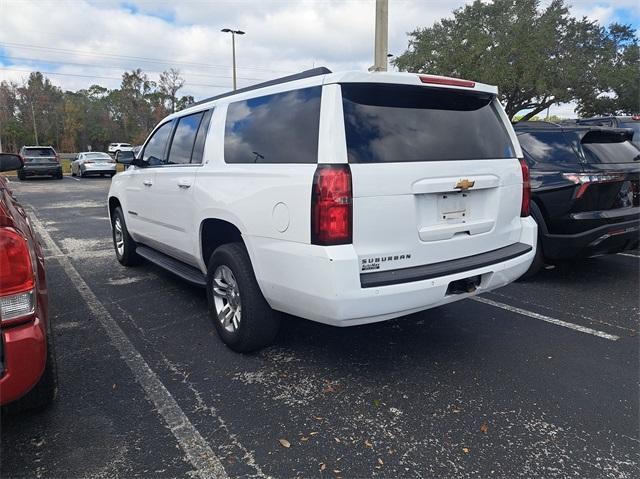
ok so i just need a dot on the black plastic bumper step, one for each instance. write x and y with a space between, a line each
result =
184 271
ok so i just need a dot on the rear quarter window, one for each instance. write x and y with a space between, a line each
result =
402 123
548 147
279 128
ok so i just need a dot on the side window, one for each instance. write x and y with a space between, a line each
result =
183 139
198 148
279 128
155 149
548 147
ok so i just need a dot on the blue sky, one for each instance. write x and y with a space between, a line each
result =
94 41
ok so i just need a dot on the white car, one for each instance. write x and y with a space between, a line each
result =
93 163
344 198
115 148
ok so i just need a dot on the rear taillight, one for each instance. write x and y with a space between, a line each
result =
17 279
525 208
585 180
331 205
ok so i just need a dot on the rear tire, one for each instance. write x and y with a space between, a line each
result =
123 244
249 323
59 176
21 175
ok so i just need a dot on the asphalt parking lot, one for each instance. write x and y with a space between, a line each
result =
538 379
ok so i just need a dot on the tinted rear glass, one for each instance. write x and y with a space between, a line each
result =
97 156
548 146
397 123
280 128
623 152
33 152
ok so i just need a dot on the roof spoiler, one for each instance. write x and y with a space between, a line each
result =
276 81
607 135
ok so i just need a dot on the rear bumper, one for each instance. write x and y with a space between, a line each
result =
324 284
24 353
89 169
41 170
609 238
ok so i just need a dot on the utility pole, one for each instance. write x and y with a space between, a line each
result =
233 49
35 130
381 48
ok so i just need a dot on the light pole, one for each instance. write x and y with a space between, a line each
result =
233 49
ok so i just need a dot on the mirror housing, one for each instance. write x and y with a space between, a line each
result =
10 162
125 157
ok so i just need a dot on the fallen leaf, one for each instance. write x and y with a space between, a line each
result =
323 466
456 410
380 461
465 450
304 439
313 433
367 443
485 427
317 418
114 386
376 402
337 439
284 443
337 471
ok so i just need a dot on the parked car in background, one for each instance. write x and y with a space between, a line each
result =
584 186
40 161
28 376
136 149
114 148
632 122
346 213
93 163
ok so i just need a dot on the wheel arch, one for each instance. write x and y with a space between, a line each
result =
215 232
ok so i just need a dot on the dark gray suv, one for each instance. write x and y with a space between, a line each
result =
40 161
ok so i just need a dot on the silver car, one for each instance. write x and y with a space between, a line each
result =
93 163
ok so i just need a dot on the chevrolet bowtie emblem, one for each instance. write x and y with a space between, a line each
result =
465 184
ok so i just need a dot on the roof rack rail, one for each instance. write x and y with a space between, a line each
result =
297 76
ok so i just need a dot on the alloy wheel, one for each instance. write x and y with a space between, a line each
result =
226 297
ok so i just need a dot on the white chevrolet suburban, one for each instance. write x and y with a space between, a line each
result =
344 198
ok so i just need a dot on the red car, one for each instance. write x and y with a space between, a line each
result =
28 376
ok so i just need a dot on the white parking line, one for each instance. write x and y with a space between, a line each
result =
72 178
630 255
542 317
198 452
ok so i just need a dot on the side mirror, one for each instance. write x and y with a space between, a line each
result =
9 162
125 157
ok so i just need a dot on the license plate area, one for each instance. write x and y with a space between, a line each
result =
452 207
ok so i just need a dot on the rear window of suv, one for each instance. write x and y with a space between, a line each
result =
622 152
35 152
279 128
402 123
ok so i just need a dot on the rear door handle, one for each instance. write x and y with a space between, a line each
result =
147 182
184 183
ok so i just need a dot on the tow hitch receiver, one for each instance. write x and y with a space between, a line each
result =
465 285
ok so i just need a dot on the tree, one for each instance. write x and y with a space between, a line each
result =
617 90
537 57
170 83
